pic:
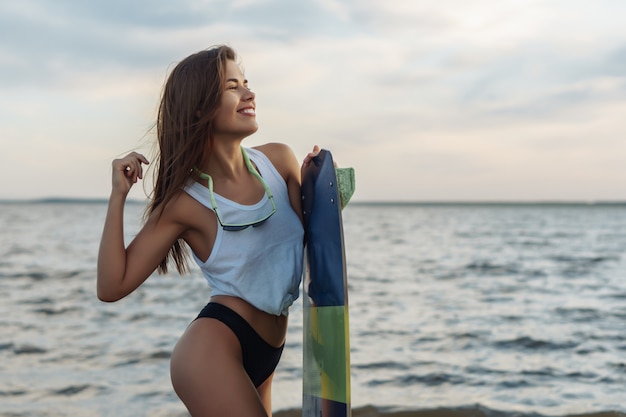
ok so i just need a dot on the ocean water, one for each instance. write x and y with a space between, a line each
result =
503 310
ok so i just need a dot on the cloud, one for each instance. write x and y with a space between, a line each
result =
46 43
442 92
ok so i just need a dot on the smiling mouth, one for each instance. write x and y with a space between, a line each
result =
248 111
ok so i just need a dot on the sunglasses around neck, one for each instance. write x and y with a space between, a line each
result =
235 227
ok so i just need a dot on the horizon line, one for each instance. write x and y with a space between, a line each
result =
99 200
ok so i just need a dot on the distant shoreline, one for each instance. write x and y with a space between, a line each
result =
469 411
494 203
54 200
491 203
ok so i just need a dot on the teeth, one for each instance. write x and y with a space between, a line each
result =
247 111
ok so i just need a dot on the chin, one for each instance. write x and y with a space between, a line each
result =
253 130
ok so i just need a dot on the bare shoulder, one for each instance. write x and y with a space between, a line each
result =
178 211
282 157
286 163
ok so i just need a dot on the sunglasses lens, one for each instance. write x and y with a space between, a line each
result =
237 227
260 222
234 228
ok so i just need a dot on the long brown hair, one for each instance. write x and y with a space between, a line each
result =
190 99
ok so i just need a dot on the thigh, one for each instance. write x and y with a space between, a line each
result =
265 393
208 375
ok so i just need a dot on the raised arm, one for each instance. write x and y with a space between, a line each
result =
121 270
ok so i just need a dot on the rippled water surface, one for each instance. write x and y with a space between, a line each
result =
517 308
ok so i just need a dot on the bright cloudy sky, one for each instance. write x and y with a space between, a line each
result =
427 100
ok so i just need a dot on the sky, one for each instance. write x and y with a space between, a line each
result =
453 100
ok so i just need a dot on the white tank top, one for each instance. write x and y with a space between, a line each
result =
262 265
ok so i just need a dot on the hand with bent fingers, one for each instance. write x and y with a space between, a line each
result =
310 155
126 172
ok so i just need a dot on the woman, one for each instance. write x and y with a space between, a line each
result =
238 209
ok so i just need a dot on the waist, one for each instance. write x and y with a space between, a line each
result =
273 329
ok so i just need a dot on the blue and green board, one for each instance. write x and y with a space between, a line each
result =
326 364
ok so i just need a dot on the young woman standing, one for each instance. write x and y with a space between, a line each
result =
238 210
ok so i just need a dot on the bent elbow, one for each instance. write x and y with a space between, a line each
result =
106 299
107 296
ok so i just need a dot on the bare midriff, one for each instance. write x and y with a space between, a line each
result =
271 328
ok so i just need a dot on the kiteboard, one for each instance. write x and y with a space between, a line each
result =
326 342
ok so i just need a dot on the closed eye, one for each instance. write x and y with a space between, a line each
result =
233 84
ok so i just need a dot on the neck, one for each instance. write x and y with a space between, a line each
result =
225 161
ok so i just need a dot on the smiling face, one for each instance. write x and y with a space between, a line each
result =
236 115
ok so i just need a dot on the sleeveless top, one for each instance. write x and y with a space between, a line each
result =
261 265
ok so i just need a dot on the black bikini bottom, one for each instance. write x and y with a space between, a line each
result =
259 357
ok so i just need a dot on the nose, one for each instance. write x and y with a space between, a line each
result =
249 95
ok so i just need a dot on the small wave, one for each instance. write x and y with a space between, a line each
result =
12 393
6 346
585 375
526 342
467 335
380 279
615 337
125 363
620 315
547 371
146 395
534 273
70 274
591 349
381 365
580 315
513 318
530 242
617 296
383 333
47 311
514 384
28 350
160 354
489 268
608 380
432 379
43 275
133 358
37 301
34 275
70 390
497 299
575 263
17 250
481 370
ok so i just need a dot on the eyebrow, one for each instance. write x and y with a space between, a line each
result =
235 80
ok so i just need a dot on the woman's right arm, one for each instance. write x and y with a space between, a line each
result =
121 270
